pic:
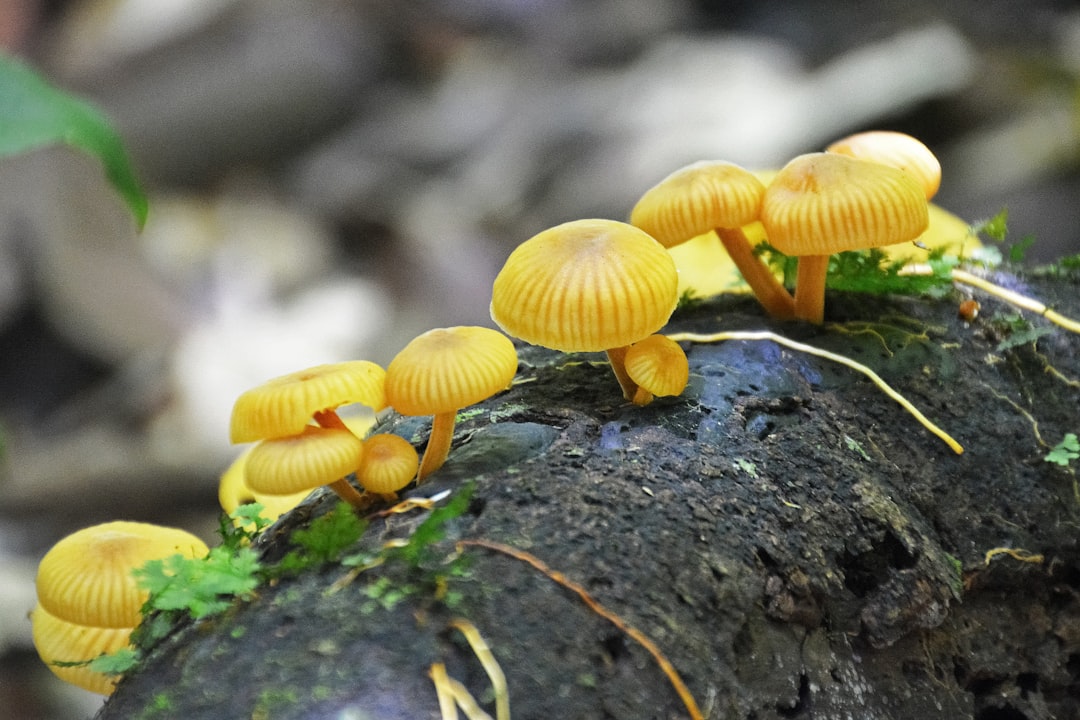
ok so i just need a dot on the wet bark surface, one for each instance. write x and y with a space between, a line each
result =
795 543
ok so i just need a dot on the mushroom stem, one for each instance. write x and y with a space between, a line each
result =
349 494
776 300
438 447
617 358
341 486
810 288
642 396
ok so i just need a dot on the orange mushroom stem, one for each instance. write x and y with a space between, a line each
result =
617 358
768 290
438 447
342 487
810 287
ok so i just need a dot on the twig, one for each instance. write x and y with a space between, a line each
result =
1013 298
490 664
447 706
810 349
642 639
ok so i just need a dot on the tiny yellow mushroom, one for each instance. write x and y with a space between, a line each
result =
390 463
443 370
824 203
659 367
587 286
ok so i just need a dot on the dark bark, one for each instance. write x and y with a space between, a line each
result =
795 543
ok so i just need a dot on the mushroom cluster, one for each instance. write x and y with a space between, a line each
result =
865 191
88 600
302 441
590 285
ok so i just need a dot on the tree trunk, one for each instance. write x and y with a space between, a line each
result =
791 539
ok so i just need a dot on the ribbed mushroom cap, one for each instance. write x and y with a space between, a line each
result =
586 286
896 149
316 456
824 203
696 199
389 463
658 365
445 369
86 579
234 492
59 640
281 407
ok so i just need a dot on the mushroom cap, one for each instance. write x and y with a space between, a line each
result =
58 640
389 463
316 456
696 199
586 286
897 149
659 365
234 492
281 407
445 369
823 203
86 579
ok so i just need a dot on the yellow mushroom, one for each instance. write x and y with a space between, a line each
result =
659 367
317 456
714 196
823 203
896 149
88 599
443 370
58 640
587 286
233 491
85 578
285 406
390 463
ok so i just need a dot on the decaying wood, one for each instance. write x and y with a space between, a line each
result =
794 543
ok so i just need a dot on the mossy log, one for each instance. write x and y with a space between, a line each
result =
795 543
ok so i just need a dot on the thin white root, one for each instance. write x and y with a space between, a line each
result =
490 664
447 706
810 349
1013 298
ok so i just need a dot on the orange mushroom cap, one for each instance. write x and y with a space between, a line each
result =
316 456
445 369
86 579
586 286
896 149
58 640
658 365
697 199
389 463
281 407
824 203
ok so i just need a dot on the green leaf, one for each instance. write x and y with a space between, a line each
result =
35 114
1065 451
995 228
200 586
1019 250
325 540
117 662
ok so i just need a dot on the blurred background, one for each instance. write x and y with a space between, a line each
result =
327 179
